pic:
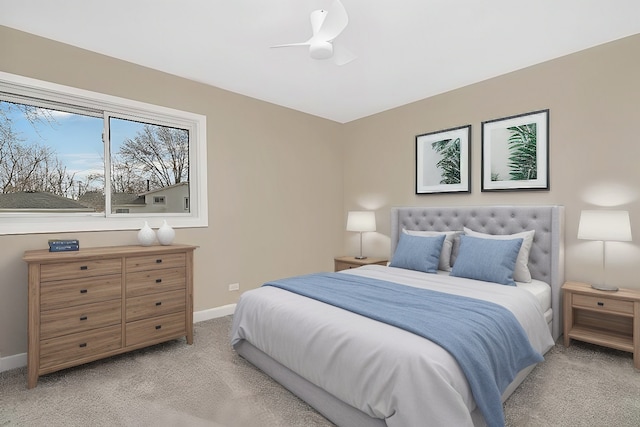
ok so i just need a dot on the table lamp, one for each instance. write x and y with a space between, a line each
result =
361 221
606 226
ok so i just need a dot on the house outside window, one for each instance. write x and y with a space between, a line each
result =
73 160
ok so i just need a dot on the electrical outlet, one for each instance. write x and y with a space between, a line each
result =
234 287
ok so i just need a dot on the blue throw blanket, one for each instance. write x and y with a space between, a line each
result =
485 338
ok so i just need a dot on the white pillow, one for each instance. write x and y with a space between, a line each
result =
445 255
521 272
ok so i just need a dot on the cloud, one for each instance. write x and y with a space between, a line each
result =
60 114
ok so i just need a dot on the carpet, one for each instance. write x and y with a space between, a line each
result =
207 384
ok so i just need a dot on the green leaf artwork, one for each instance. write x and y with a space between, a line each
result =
449 165
522 152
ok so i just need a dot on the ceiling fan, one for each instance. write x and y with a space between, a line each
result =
327 24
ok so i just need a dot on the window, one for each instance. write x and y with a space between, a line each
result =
73 160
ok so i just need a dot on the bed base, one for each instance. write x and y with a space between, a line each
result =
329 406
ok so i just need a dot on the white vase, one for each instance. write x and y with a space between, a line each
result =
165 234
146 236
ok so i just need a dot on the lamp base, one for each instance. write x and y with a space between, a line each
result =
360 257
604 287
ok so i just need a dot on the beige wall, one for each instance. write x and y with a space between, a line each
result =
274 181
281 182
594 102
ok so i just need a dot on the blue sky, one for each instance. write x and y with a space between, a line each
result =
76 139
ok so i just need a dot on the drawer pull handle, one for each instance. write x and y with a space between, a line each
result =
83 291
601 304
84 344
158 326
84 267
158 261
83 318
158 280
159 303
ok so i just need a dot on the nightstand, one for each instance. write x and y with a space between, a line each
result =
347 262
609 319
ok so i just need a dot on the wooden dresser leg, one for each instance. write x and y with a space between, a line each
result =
32 378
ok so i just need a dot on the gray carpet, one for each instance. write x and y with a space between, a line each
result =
207 384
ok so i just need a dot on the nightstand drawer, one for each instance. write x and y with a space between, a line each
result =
67 293
603 303
79 346
79 269
80 318
347 262
339 266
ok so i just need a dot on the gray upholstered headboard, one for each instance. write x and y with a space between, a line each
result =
546 259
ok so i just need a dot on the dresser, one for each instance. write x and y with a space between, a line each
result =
98 302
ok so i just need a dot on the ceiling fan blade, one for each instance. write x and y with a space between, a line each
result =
317 18
291 44
342 55
336 20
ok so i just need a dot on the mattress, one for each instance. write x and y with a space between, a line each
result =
539 289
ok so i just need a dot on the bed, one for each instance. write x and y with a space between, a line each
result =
359 371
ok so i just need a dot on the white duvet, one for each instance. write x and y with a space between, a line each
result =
383 371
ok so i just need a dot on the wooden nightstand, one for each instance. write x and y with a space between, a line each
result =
346 262
610 319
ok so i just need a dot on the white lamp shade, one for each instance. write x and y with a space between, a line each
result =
361 221
605 225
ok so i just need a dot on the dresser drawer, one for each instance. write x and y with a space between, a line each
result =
79 318
604 304
79 269
153 305
153 262
155 330
69 348
149 282
67 293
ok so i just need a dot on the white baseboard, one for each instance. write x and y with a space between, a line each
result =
213 313
8 363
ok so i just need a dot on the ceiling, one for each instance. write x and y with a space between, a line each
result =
406 50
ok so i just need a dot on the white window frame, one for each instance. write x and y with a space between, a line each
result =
54 222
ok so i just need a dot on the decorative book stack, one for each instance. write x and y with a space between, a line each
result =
64 245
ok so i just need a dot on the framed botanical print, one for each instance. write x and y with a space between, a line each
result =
443 163
515 152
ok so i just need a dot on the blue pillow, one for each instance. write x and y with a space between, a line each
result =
418 253
490 260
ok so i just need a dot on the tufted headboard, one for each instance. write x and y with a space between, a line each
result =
546 259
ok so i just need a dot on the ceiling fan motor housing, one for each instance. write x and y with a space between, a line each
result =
321 50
